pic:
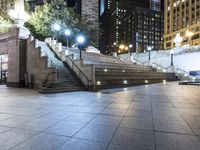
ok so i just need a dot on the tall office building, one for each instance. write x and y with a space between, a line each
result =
6 4
155 5
70 3
90 9
132 24
182 16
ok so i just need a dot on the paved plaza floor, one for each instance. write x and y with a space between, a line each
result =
157 116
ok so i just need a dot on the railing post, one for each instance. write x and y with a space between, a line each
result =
56 74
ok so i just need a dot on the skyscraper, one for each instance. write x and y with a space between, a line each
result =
132 24
70 3
156 5
182 16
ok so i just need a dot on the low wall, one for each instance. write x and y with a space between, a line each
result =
37 66
187 61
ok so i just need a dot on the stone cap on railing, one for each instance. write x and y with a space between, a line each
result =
56 46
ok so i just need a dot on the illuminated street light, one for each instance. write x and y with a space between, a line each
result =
122 46
67 33
126 48
130 46
81 40
149 50
56 27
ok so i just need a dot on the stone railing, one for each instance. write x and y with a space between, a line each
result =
86 73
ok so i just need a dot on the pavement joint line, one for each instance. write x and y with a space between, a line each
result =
117 127
155 145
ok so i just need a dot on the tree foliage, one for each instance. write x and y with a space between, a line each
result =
5 22
56 11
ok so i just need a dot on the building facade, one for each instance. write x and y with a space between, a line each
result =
144 28
132 25
155 5
70 3
6 4
182 16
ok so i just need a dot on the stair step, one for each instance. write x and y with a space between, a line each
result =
58 89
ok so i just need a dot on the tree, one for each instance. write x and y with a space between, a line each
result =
5 22
56 11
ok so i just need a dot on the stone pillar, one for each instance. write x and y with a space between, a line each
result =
19 5
16 59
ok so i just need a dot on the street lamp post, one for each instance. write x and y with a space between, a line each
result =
1 70
130 48
172 58
67 33
81 40
56 27
149 50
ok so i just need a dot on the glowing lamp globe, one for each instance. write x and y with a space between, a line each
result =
80 39
67 32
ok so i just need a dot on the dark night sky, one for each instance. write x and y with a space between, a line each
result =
162 4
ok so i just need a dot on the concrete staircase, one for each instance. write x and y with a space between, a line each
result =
113 72
66 79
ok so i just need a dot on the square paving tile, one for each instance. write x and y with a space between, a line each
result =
58 115
141 106
81 117
16 121
97 133
42 141
80 144
118 105
167 116
13 137
38 124
138 114
114 111
92 110
137 123
169 141
3 129
172 126
5 116
194 122
120 147
65 128
107 120
161 104
134 138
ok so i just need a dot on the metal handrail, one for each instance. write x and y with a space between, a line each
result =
46 79
74 64
51 65
159 66
181 70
